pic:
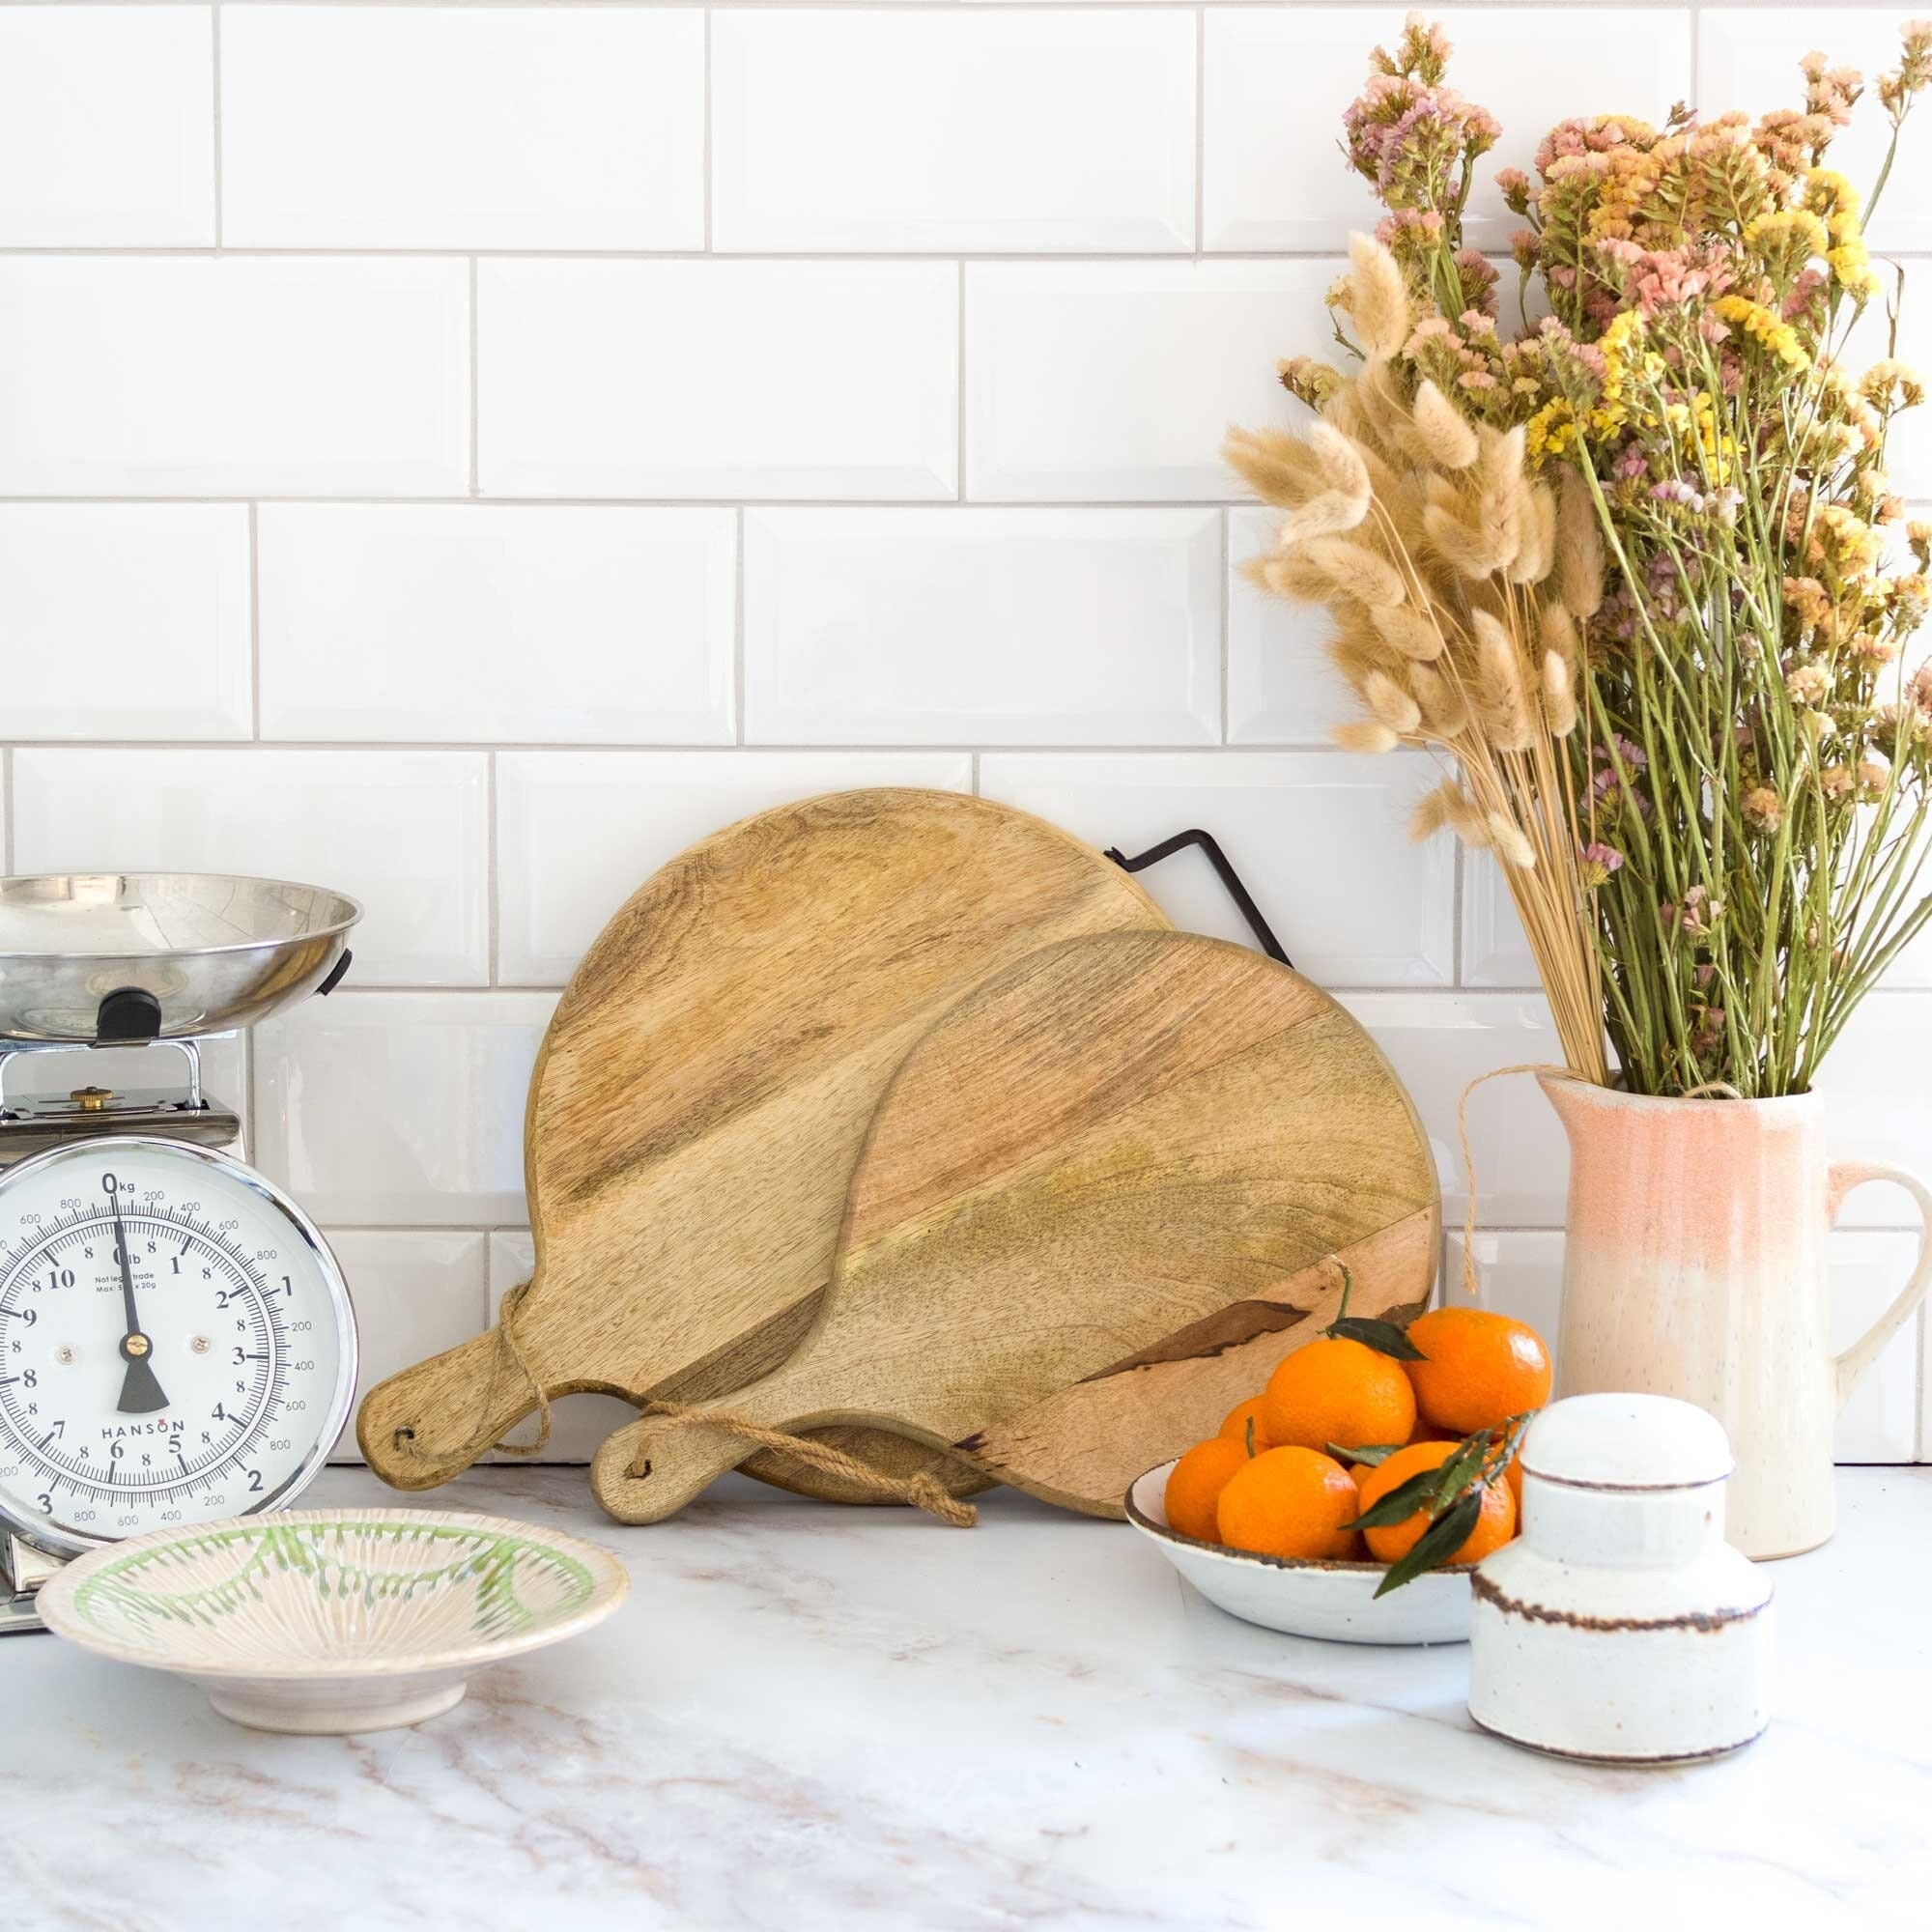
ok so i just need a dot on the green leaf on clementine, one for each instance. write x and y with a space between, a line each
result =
1436 1545
1384 1337
1401 1503
1374 1454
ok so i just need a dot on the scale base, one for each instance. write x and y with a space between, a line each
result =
23 1569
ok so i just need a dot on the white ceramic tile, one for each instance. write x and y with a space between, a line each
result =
1517 1274
107 126
1880 1423
432 621
1116 381
463 128
1522 1274
400 1109
1879 1101
415 1294
1748 57
1273 176
231 377
1281 688
1004 130
405 832
576 836
1318 839
1438 1044
1494 950
718 379
124 620
1041 627
578 1423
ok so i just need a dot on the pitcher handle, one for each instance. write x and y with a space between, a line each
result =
1846 1175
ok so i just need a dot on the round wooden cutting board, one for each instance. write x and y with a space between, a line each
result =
704 1088
1092 1214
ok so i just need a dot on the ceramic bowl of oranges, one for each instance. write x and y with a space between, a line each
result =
1352 1497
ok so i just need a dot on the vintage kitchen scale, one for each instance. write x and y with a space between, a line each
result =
175 1339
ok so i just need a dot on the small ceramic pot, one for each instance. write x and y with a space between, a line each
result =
1621 1628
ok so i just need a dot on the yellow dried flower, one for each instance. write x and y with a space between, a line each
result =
1772 331
1763 809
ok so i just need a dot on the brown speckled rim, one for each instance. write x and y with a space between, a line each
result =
1609 1761
1140 1519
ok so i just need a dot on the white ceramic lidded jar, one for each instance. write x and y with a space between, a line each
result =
1621 1628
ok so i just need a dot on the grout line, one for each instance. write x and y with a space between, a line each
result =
960 379
708 27
1455 960
493 916
1200 129
738 632
1227 641
215 43
254 623
475 387
7 807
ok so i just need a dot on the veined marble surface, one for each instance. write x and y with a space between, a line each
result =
809 1717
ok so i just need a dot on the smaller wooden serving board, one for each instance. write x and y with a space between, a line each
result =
1091 1214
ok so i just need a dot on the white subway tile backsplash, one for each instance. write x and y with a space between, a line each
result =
1319 837
1522 1274
492 446
578 1423
1004 626
194 376
712 379
107 126
1118 381
1438 1044
124 620
400 1109
1281 688
415 1294
576 836
463 128
1748 58
1277 80
1007 130
467 622
405 832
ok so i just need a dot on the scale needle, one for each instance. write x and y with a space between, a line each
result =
140 1392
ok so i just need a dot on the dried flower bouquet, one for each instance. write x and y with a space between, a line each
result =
1623 574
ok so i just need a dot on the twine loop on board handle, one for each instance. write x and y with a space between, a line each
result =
1548 1071
404 1438
923 1490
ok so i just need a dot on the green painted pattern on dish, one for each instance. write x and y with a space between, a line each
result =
490 1560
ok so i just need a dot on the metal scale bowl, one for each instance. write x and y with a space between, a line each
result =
175 1339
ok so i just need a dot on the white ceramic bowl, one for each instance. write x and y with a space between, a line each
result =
330 1621
1337 1600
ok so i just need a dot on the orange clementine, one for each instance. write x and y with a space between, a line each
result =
1337 1390
1494 1526
1514 1475
1195 1483
1234 1424
1290 1502
1481 1368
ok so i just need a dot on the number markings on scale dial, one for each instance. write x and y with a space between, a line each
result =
190 1383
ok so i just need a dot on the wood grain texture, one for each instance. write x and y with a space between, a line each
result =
706 1084
1090 1216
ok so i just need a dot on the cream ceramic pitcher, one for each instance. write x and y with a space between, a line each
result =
1694 1267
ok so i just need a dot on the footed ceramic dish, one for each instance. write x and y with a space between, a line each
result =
1336 1601
331 1621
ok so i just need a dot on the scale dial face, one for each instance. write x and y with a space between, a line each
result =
175 1341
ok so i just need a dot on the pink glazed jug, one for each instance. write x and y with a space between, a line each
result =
1693 1266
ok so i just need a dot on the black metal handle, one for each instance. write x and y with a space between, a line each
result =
335 974
1229 877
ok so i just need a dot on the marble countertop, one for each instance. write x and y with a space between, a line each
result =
808 1716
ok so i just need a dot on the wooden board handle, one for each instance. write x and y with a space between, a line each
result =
651 1468
432 1421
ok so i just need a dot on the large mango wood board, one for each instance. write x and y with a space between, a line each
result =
1094 1211
704 1088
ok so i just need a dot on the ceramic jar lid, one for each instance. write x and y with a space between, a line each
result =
1626 1441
